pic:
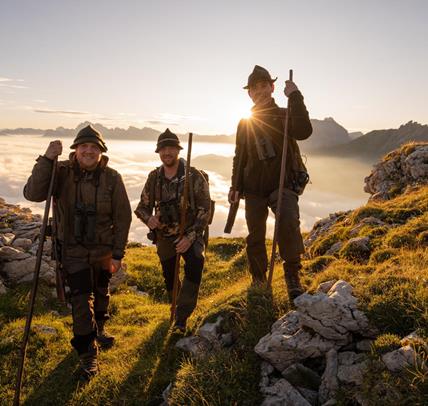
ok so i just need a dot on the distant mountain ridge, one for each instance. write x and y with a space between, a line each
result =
375 144
328 137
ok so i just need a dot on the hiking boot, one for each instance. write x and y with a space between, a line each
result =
179 326
89 364
105 339
292 279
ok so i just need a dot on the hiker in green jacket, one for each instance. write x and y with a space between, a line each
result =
93 216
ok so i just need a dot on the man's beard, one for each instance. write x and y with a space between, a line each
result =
169 161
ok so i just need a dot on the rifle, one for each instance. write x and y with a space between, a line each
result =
42 236
183 210
233 209
280 190
56 254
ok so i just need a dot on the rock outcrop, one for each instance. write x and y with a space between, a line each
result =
398 171
326 330
19 239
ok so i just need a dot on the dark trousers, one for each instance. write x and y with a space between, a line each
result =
88 278
290 242
193 267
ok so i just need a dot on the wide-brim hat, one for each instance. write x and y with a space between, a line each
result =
259 74
89 134
168 139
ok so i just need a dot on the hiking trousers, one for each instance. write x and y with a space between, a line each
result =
290 241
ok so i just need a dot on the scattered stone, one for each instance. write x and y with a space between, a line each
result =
326 286
195 345
8 253
335 248
413 338
300 376
16 271
329 381
364 345
7 238
165 395
210 330
310 395
399 359
119 278
282 393
24 243
351 367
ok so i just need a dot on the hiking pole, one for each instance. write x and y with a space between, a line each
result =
183 210
42 236
280 190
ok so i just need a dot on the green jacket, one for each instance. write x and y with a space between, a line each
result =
260 177
113 211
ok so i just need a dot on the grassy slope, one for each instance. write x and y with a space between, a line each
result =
391 286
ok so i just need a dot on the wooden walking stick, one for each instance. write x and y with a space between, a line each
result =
183 210
280 190
42 236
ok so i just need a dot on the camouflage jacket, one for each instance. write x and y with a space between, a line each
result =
102 188
159 190
260 177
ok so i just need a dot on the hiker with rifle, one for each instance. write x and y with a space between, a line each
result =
92 216
161 207
256 173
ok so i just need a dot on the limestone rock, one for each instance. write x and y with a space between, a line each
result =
399 359
210 330
16 271
400 169
282 350
326 286
351 367
329 381
300 376
118 278
8 253
334 315
24 243
7 238
282 393
196 346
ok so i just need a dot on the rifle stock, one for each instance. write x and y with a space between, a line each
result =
233 210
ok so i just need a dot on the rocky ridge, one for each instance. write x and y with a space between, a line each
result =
322 345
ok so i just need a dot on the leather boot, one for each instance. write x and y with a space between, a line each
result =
105 339
292 280
89 363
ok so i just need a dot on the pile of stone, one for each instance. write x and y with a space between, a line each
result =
399 171
319 347
19 240
207 338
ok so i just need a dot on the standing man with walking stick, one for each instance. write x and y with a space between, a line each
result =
93 216
256 173
162 193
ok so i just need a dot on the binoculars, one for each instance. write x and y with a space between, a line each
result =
169 213
84 222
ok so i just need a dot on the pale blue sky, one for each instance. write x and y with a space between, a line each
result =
183 63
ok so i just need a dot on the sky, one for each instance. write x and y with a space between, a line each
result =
182 64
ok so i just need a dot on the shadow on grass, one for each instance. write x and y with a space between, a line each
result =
58 387
156 368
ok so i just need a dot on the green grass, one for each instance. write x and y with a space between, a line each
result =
391 286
